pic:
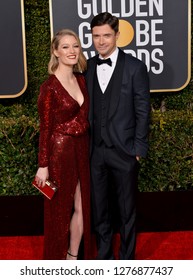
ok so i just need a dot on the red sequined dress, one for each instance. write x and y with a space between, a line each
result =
64 148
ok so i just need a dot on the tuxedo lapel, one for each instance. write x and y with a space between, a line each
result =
117 82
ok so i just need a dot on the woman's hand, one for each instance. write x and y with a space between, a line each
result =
41 176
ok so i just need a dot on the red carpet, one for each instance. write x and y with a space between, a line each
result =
165 246
150 246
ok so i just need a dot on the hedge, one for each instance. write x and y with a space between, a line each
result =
168 166
18 153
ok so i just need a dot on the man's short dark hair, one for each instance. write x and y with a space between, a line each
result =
105 18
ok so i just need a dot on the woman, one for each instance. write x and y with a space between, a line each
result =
63 150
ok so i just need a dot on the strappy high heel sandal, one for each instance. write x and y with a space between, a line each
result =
72 255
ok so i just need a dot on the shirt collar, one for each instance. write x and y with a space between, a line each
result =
113 56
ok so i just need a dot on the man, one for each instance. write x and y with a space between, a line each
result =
119 120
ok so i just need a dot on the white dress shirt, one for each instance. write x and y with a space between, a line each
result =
105 71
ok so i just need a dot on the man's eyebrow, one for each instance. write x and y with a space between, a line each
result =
106 34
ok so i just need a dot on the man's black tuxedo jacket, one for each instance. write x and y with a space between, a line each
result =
128 116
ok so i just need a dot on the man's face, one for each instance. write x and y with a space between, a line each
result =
104 39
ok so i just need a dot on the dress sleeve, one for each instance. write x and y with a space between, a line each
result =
45 114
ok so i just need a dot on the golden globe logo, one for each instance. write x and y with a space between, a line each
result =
149 30
126 33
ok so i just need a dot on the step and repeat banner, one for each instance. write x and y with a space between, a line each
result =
13 69
156 31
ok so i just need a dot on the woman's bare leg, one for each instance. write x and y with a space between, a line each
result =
76 226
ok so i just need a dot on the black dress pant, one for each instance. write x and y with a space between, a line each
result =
107 164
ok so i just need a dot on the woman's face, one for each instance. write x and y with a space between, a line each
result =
68 50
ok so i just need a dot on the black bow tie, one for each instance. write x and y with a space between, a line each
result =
101 61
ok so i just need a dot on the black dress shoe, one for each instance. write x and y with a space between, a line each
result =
100 258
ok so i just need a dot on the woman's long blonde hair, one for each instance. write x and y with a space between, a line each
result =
53 63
